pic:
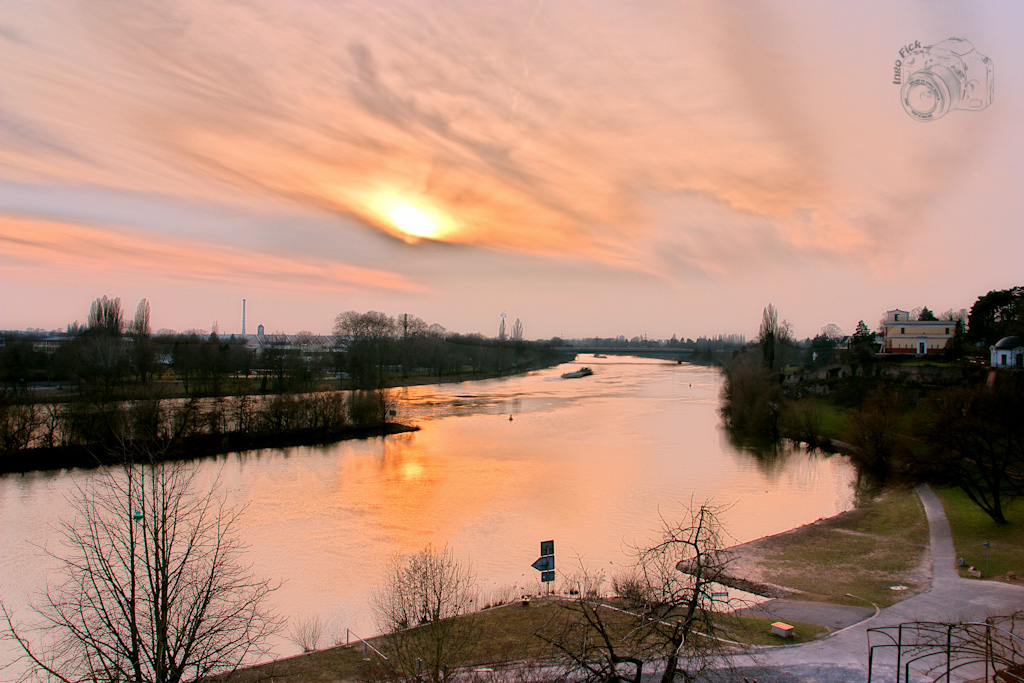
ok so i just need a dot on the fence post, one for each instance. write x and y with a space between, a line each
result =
949 651
989 653
899 652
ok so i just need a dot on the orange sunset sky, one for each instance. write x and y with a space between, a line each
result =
591 168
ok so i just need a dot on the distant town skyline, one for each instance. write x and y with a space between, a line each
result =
592 169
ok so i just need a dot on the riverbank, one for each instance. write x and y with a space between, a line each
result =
191 427
876 553
866 536
192 448
815 562
170 387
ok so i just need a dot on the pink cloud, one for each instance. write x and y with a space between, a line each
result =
63 246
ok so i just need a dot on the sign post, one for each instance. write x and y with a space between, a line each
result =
545 564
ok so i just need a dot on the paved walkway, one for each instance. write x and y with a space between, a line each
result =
842 657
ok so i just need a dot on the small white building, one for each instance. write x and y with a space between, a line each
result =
1008 352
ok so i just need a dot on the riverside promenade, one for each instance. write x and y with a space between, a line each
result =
842 657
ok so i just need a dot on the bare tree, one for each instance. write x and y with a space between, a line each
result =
101 346
369 337
768 335
751 399
597 640
142 351
151 588
371 408
666 613
874 430
106 314
413 326
680 573
417 609
140 323
977 439
307 632
832 332
18 422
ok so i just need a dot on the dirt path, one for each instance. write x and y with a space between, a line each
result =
843 656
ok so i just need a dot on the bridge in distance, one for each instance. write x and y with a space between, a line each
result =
668 353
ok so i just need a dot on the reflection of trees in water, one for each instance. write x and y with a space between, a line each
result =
771 457
791 461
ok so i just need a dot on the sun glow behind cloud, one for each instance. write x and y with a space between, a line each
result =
414 223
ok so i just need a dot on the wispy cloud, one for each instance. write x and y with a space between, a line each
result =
670 140
540 136
28 242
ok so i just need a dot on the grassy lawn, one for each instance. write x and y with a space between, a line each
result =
507 635
861 553
972 528
758 631
833 421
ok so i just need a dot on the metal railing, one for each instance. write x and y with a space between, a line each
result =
366 646
990 644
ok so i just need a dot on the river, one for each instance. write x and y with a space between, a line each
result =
590 463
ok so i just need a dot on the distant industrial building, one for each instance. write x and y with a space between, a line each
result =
307 344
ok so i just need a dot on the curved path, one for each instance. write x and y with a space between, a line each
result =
842 657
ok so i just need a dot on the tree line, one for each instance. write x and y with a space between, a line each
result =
118 383
115 357
382 349
89 433
963 427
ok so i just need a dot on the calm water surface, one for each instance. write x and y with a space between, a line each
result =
589 462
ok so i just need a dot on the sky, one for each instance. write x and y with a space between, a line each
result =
591 168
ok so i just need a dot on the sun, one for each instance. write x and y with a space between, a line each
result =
414 222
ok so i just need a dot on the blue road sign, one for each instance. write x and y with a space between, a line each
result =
544 564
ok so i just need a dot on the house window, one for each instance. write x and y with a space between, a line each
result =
947 330
1002 358
903 330
897 318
